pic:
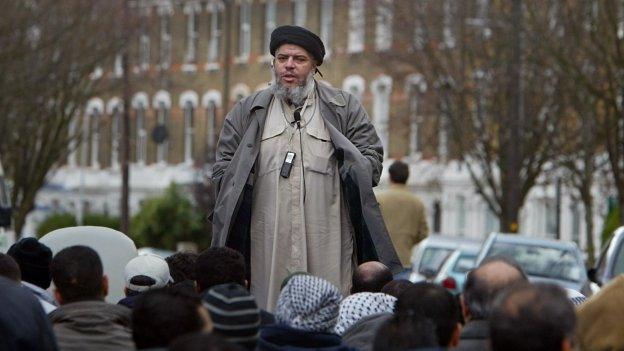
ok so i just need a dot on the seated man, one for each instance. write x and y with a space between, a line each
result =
370 277
84 321
159 316
532 317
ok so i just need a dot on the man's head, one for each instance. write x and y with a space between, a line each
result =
219 265
396 287
297 53
399 172
485 282
370 277
535 317
398 334
161 315
34 260
78 275
9 268
146 272
435 303
182 266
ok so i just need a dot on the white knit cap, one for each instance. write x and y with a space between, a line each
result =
151 266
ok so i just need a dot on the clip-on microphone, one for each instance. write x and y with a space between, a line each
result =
297 116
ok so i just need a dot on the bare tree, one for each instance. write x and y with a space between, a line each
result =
494 93
50 55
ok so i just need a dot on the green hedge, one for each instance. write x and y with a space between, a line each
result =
64 220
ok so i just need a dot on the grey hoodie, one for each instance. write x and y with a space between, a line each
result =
92 325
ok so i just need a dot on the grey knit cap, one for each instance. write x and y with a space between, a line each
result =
308 303
357 306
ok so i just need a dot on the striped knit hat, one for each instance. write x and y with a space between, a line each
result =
234 313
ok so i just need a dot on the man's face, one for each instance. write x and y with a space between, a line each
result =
293 64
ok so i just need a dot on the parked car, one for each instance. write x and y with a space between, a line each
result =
429 254
452 274
543 260
611 260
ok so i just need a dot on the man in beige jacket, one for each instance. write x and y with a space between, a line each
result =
403 213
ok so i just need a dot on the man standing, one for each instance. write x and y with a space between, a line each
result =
294 172
403 212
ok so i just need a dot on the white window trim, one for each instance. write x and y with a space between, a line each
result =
211 97
114 108
300 12
162 99
191 10
354 84
165 11
216 12
244 37
415 86
357 26
140 101
72 158
189 98
382 90
327 24
93 116
239 89
384 20
270 22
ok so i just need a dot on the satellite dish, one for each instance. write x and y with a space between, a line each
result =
114 247
160 134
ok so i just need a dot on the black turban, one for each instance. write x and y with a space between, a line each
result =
298 36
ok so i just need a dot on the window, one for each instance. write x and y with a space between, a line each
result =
355 85
415 87
239 91
327 24
244 31
189 112
383 26
214 35
356 26
139 104
165 13
191 9
211 101
162 105
144 44
269 22
115 134
73 127
419 25
448 37
300 12
90 129
576 223
118 67
95 117
382 88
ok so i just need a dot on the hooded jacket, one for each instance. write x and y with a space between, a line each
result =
359 153
281 337
92 325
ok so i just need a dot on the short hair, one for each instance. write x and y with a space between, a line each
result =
202 342
182 266
396 287
399 172
479 292
433 302
9 268
405 334
535 317
161 315
77 274
370 276
219 265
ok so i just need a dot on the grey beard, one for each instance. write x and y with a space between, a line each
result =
295 95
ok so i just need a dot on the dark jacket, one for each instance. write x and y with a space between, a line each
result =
360 156
474 336
279 338
92 325
23 324
361 335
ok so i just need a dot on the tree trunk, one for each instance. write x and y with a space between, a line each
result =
588 203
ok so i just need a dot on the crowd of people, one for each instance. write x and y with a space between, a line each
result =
201 301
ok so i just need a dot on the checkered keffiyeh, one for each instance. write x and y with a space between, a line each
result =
357 306
308 303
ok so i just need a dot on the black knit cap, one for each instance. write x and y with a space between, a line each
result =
298 36
34 260
234 313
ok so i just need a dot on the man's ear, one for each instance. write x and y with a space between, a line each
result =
464 308
57 296
455 336
104 285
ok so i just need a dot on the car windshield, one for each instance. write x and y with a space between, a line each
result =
432 259
541 261
464 263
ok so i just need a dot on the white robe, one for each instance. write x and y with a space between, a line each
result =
298 223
